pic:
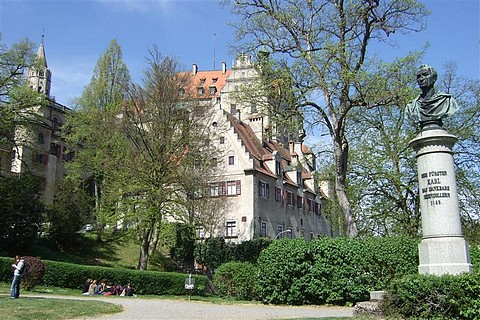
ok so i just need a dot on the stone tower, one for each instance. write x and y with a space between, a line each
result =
39 76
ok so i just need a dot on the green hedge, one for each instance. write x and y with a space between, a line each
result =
68 275
236 280
332 270
434 297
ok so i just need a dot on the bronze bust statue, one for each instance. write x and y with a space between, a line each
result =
430 107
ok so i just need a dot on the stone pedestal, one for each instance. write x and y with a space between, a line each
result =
442 249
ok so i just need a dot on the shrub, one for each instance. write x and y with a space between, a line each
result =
68 275
236 280
283 275
434 297
332 270
34 274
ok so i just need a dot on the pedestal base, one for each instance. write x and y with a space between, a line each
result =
444 255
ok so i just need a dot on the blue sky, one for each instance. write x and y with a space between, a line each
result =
77 33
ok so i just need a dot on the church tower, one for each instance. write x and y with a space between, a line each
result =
39 76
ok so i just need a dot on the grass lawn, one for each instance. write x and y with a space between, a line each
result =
26 308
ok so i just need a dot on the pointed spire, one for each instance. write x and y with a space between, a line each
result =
41 58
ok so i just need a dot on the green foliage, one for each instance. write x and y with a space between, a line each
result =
67 275
236 280
434 297
70 210
284 272
178 240
332 270
21 212
213 251
36 271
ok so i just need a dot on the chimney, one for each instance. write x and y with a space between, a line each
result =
224 67
194 69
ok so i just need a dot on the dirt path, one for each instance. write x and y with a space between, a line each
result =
140 309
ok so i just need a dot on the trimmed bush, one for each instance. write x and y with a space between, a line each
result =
434 297
68 275
284 272
236 280
332 270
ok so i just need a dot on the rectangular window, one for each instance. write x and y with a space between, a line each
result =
278 194
263 229
311 205
278 168
263 189
231 188
231 229
299 179
233 108
289 198
279 229
222 140
231 160
316 208
214 190
300 202
253 108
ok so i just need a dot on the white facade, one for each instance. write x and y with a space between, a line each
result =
38 148
269 186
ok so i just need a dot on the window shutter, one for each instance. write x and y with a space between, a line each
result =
239 187
222 188
259 188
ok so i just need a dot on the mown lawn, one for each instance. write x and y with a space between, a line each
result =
27 308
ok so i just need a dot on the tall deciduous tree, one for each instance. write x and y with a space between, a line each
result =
169 142
92 128
323 45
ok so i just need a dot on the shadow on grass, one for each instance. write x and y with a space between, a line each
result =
85 249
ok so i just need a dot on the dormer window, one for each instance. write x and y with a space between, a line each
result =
200 91
278 168
214 80
181 91
213 90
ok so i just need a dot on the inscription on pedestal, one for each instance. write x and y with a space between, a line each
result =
434 187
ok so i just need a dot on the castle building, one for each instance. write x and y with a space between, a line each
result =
267 180
38 148
265 174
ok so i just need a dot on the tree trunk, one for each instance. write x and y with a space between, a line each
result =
144 249
341 160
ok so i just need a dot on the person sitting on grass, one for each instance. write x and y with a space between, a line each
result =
92 289
86 286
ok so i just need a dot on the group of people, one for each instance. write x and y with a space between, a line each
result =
92 287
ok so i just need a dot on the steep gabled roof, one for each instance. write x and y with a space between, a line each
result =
207 80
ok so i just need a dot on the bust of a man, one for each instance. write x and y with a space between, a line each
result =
430 107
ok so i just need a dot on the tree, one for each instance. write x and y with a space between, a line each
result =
92 128
70 211
16 97
168 143
384 184
323 46
21 213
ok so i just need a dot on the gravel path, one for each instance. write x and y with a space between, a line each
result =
139 309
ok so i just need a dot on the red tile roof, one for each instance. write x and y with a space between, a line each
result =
206 80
